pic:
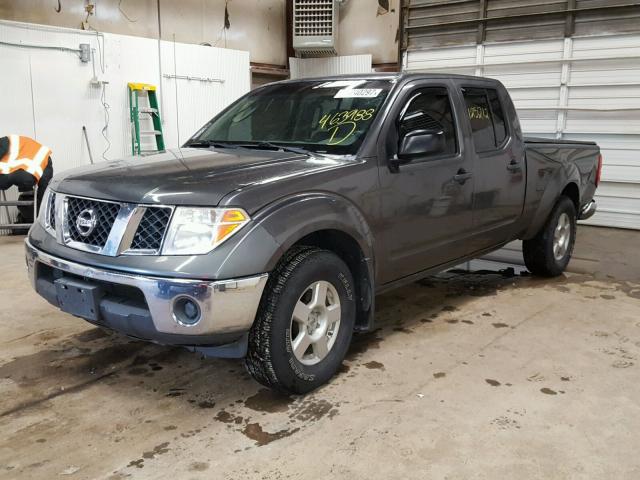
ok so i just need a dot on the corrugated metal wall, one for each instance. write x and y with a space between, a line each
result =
431 23
48 94
585 86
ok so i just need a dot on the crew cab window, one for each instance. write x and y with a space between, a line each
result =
430 109
486 117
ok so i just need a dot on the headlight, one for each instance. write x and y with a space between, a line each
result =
196 231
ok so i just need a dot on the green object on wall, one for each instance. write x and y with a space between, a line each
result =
137 91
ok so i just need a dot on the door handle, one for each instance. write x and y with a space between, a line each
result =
462 176
514 166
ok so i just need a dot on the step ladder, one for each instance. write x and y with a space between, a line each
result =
136 92
15 227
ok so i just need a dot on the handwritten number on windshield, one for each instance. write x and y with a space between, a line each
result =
343 124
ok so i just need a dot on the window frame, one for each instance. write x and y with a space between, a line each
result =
408 97
504 118
507 129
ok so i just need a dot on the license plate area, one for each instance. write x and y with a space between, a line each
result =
79 298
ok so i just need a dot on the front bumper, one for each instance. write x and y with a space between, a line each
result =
143 306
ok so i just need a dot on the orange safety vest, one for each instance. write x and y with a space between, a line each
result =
25 154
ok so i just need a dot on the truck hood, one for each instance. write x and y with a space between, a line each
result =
187 176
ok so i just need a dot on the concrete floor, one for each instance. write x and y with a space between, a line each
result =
468 376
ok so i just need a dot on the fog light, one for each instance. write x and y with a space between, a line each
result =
186 311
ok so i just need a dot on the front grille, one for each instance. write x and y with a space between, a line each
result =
89 223
51 210
151 230
105 214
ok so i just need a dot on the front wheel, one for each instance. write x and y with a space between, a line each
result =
305 322
549 252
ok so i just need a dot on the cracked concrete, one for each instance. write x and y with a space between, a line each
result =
466 376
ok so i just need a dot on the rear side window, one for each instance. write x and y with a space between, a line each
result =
498 117
486 118
430 109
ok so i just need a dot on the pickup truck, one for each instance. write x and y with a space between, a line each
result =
268 234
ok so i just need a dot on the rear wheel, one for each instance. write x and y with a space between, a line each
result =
549 252
305 322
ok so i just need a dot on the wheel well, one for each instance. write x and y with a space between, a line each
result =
348 249
571 191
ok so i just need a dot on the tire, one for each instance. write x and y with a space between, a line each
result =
272 359
548 254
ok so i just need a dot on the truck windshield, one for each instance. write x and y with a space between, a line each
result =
321 116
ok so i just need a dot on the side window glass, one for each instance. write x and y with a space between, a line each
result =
479 115
498 117
430 109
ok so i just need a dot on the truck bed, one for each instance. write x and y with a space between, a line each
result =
541 140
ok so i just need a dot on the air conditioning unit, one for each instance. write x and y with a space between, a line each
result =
315 28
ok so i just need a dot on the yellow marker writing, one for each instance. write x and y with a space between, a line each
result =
348 119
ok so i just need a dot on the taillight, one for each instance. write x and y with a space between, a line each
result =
599 171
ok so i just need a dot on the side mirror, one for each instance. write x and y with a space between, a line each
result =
418 143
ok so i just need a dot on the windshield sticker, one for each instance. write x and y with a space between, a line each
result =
341 125
341 84
358 93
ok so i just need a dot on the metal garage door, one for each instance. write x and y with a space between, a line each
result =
579 87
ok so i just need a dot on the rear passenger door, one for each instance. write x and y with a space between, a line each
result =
499 178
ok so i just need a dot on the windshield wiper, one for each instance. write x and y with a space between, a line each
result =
275 146
209 143
258 145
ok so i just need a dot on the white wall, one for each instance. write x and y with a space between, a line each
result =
257 26
318 67
584 88
47 94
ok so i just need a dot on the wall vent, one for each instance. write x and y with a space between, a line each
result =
315 28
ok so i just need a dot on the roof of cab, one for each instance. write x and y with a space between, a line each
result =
389 76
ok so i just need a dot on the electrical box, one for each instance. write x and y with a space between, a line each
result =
315 28
85 52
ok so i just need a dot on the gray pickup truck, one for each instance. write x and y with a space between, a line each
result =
269 233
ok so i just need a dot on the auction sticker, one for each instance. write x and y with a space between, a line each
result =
358 93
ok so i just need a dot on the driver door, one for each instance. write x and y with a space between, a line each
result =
427 201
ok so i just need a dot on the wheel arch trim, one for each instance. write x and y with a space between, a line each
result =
560 180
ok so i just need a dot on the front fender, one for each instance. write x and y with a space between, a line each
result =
278 226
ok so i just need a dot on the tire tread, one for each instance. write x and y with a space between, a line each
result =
258 360
538 253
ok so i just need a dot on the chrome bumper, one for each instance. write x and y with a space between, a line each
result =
588 210
226 306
